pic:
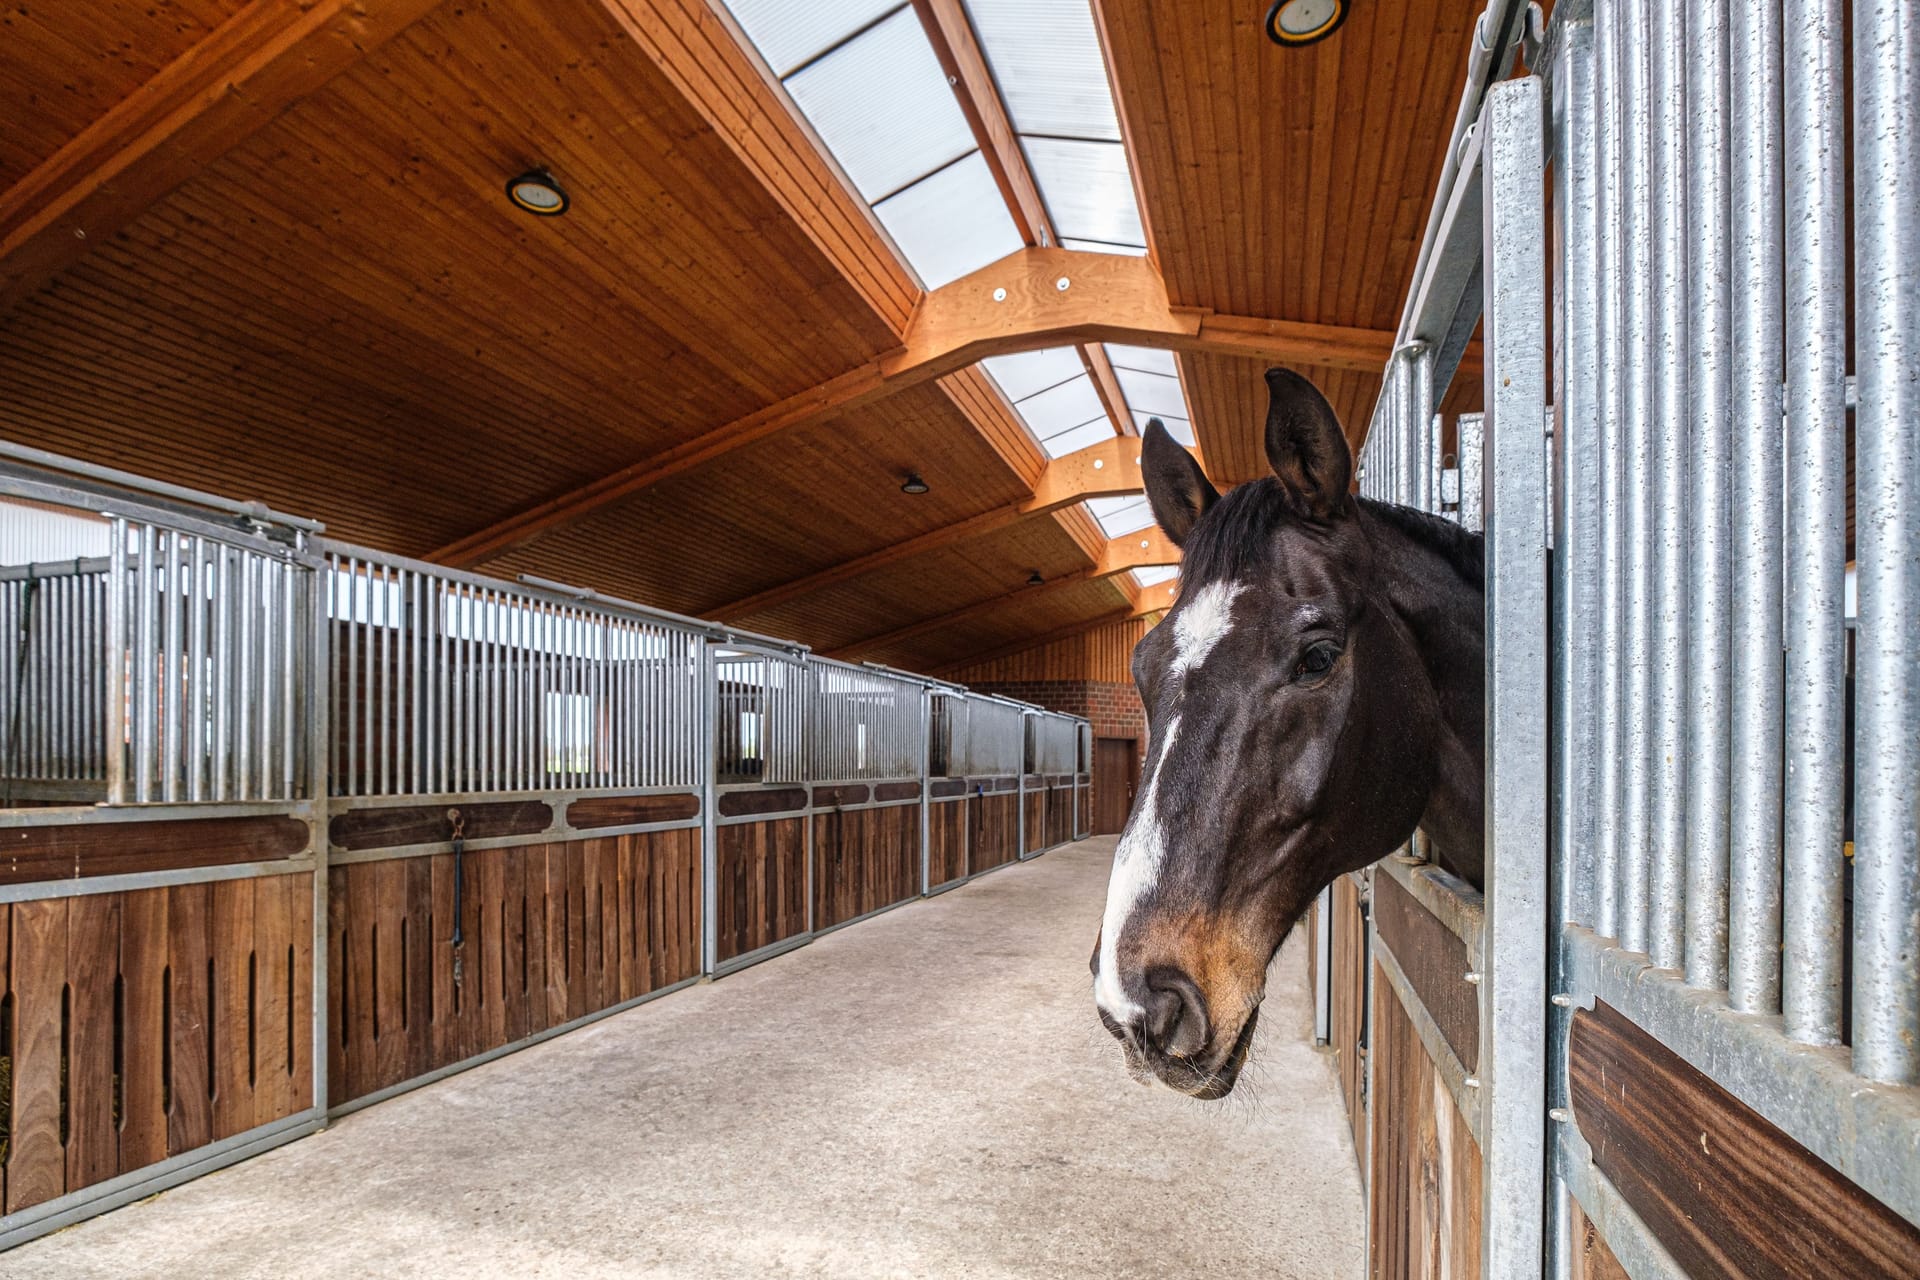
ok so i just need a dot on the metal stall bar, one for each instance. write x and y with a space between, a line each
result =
1886 860
1513 986
1816 459
1602 892
1707 750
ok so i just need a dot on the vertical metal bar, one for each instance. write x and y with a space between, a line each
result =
1816 459
352 633
197 674
1513 989
1667 832
224 674
1419 426
113 657
380 677
143 665
292 590
1603 892
398 582
247 683
1471 429
264 680
1708 675
1886 857
1637 531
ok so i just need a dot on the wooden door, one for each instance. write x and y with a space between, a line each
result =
1116 772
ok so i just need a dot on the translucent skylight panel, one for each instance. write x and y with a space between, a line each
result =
1026 372
1100 246
1179 428
1152 392
1154 576
788 32
1058 408
951 222
1146 359
1120 515
1080 437
1046 58
883 107
1088 190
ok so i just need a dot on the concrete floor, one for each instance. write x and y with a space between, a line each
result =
925 1094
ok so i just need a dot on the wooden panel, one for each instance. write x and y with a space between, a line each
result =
1036 826
620 811
1103 653
117 848
946 843
1435 961
550 932
1425 1186
760 884
891 791
151 1022
847 793
740 804
864 860
1347 991
1059 818
1726 1192
992 833
429 824
1592 1258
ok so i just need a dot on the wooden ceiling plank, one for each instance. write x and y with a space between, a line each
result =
241 75
1108 469
1119 555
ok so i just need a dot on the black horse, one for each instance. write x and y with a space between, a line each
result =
1315 695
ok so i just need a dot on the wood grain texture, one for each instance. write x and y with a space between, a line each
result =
551 932
429 824
760 880
864 860
993 834
30 854
620 811
1347 988
1425 1166
741 804
1592 1258
946 843
1435 961
1726 1192
151 1022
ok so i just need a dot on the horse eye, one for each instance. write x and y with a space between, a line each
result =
1316 661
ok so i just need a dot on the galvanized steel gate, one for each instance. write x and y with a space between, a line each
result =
1703 767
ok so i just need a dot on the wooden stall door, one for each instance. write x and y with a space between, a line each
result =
1116 772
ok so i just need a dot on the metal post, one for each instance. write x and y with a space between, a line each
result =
1603 892
113 656
1513 989
1754 511
1636 409
1886 858
1709 637
1816 461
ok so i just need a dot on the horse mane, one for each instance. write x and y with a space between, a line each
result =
1458 546
1234 537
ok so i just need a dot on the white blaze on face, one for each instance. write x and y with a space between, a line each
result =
1201 624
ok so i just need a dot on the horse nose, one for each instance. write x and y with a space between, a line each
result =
1176 1014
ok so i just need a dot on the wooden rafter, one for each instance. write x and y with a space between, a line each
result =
1109 469
1148 548
1108 298
241 75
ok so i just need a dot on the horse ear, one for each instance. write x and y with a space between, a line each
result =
1305 445
1177 489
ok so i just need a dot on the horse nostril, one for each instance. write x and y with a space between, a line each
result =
1176 1021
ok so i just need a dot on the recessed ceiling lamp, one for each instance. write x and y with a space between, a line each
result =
1035 580
1302 22
913 484
537 193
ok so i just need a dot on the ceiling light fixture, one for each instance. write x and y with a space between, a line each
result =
1294 23
537 193
913 484
1035 580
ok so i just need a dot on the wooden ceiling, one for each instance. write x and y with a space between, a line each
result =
324 301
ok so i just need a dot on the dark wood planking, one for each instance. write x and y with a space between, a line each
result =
946 843
143 1088
1435 962
92 965
36 1161
552 932
842 794
761 884
1425 1167
618 811
993 833
1592 1258
429 824
890 791
115 848
864 860
1724 1191
739 804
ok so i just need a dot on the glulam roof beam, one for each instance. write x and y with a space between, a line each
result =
223 89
